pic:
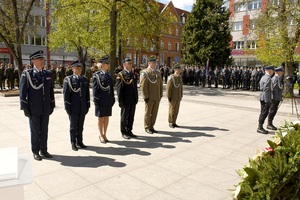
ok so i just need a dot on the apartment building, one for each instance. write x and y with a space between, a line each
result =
243 16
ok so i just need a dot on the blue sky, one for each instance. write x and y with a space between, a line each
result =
183 4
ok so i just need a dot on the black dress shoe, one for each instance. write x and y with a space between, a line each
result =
271 127
81 145
125 136
132 135
154 131
171 126
46 154
175 125
149 131
37 156
262 130
74 147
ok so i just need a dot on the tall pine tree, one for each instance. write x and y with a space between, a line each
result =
206 34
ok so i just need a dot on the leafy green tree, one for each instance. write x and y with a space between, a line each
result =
95 27
278 32
14 16
206 34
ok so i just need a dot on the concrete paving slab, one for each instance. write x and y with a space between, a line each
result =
217 135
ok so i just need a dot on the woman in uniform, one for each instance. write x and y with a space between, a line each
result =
103 93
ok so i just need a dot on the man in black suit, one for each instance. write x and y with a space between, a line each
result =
77 103
127 97
37 102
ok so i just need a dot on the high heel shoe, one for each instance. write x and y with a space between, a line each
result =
102 140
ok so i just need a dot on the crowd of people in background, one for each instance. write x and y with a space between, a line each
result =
229 77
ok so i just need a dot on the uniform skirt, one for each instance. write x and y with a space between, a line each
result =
103 111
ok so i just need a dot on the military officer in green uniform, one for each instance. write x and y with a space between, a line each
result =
152 89
174 94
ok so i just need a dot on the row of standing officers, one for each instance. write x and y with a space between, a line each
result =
38 102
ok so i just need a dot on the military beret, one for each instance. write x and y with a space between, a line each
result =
269 68
278 69
127 60
104 59
176 66
152 59
77 63
36 55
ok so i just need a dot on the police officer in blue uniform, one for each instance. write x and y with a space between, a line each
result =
127 98
104 98
37 102
265 98
77 103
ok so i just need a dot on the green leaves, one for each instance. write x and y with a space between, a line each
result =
276 175
206 34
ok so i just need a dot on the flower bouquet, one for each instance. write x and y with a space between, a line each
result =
273 173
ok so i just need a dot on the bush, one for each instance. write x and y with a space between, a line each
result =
273 173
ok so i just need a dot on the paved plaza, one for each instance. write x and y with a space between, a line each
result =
197 161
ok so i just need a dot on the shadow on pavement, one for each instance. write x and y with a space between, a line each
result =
204 128
86 161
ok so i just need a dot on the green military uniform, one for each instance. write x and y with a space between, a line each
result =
174 94
152 89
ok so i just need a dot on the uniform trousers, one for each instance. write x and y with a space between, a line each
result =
173 111
39 132
127 118
151 110
76 127
273 110
264 111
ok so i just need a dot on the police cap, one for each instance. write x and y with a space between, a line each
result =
36 55
77 63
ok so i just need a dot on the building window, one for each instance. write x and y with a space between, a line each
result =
127 42
169 46
162 44
177 46
238 45
170 31
177 31
252 25
38 40
237 26
128 55
240 7
275 2
251 44
27 39
254 5
43 21
39 3
136 40
183 18
145 42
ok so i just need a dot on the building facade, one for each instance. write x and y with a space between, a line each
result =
243 16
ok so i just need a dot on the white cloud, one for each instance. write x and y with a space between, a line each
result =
183 3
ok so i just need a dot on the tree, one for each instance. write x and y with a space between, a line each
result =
97 26
14 16
206 34
277 31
